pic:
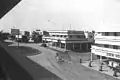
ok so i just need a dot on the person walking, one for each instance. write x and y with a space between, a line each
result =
80 60
115 72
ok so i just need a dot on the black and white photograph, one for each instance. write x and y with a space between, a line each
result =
59 39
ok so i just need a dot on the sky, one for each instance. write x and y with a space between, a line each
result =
62 15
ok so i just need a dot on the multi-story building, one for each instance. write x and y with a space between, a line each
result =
107 45
69 39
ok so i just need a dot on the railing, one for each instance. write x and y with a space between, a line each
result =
55 38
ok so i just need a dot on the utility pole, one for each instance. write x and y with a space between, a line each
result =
70 26
18 39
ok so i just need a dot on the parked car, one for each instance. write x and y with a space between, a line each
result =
44 45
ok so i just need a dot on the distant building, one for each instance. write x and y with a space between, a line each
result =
27 33
38 31
89 36
15 32
69 40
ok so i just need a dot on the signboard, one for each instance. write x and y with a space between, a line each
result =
106 53
15 31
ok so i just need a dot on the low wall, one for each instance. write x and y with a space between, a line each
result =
19 67
12 68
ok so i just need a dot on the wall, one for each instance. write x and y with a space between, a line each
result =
13 69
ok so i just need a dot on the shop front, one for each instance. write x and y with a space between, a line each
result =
110 57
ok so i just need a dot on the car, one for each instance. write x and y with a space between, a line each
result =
44 45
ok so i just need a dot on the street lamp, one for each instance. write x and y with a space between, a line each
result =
90 63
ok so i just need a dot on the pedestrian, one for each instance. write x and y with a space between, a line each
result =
115 72
80 60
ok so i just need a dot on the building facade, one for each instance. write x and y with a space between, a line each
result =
69 40
107 45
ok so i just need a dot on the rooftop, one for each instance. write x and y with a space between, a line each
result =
65 31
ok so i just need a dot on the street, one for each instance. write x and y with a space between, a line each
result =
66 71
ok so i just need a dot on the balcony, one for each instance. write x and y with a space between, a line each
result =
112 53
111 40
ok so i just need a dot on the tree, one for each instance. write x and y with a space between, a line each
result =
45 33
93 31
36 37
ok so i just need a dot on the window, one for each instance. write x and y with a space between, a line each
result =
65 36
106 46
103 33
61 35
115 33
90 37
106 33
78 36
82 36
53 35
70 36
118 33
115 47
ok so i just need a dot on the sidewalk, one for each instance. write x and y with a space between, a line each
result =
95 66
75 57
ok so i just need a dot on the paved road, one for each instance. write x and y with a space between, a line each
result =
73 56
67 71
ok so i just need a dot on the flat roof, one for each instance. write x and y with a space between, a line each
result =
65 31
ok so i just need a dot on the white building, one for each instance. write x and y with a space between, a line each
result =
69 39
107 44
